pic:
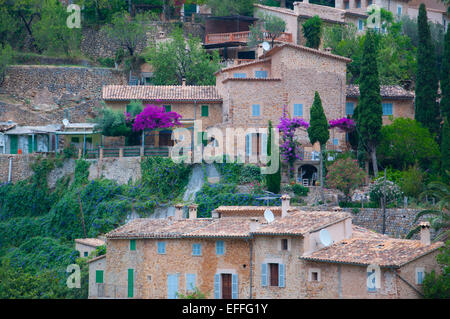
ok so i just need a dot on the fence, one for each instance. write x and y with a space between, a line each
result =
126 151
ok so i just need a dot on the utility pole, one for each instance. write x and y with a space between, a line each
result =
384 202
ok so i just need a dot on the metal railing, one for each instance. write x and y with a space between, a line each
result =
243 36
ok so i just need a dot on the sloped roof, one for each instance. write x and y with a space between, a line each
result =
247 210
94 242
310 50
386 91
432 5
161 93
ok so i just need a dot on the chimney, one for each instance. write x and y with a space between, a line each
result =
215 214
285 204
183 81
179 211
327 50
193 211
425 233
254 224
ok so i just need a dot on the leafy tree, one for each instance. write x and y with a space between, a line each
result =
379 188
412 181
231 7
5 60
8 26
112 123
51 32
129 32
318 131
438 287
406 141
426 108
273 181
270 27
99 12
369 121
312 31
345 175
177 59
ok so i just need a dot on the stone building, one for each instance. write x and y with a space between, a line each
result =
87 245
295 254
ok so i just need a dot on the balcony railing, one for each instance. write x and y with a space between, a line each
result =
214 38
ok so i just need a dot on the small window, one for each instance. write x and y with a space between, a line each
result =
205 110
420 274
168 108
358 3
399 10
284 244
261 74
220 247
349 108
347 4
239 75
75 140
161 247
387 109
99 276
314 274
298 110
133 244
335 141
360 25
196 249
273 274
256 111
371 281
86 254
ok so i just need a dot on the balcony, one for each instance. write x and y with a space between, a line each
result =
241 37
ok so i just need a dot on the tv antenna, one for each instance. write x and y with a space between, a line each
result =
268 215
325 238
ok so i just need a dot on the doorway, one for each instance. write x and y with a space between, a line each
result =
226 286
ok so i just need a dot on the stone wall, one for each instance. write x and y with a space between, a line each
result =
121 170
20 168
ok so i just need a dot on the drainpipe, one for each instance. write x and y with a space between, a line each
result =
340 281
250 244
10 170
84 144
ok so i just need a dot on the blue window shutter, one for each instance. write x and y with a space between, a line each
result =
256 110
217 286
281 275
264 143
162 247
239 75
420 277
196 249
220 247
248 144
264 275
349 108
387 108
298 110
260 74
360 25
234 286
172 286
190 281
335 141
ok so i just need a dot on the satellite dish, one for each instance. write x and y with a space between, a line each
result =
65 122
268 215
266 46
325 237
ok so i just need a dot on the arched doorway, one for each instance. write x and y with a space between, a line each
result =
307 175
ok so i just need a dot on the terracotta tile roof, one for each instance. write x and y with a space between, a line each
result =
224 227
96 258
386 91
94 242
383 251
247 210
303 48
276 9
242 65
301 222
431 5
161 93
356 12
251 79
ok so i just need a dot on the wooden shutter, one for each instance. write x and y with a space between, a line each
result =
234 286
13 144
264 275
205 110
281 275
130 283
133 244
172 286
248 144
30 144
217 286
219 247
99 276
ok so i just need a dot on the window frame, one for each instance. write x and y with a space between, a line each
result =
253 110
294 114
196 249
158 246
218 252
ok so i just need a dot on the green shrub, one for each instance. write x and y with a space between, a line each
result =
412 181
106 62
250 173
300 190
378 189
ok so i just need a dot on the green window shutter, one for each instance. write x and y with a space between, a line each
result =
13 144
99 276
130 283
30 144
205 110
133 244
168 108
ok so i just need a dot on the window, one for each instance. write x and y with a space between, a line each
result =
196 249
369 2
168 108
298 110
420 274
75 140
239 75
371 281
256 110
335 141
99 276
220 247
349 108
399 10
273 274
89 140
347 5
86 254
190 282
284 244
314 274
161 247
360 25
261 74
358 3
387 108
133 244
205 110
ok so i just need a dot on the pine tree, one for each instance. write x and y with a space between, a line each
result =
426 108
273 180
318 131
445 78
369 116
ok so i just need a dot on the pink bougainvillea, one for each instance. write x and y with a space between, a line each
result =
153 117
343 124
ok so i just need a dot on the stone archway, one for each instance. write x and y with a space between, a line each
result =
307 173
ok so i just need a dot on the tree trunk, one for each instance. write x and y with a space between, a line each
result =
283 3
373 155
322 195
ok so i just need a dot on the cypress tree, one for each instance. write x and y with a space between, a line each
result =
312 31
445 78
318 131
426 108
369 116
273 181
445 150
